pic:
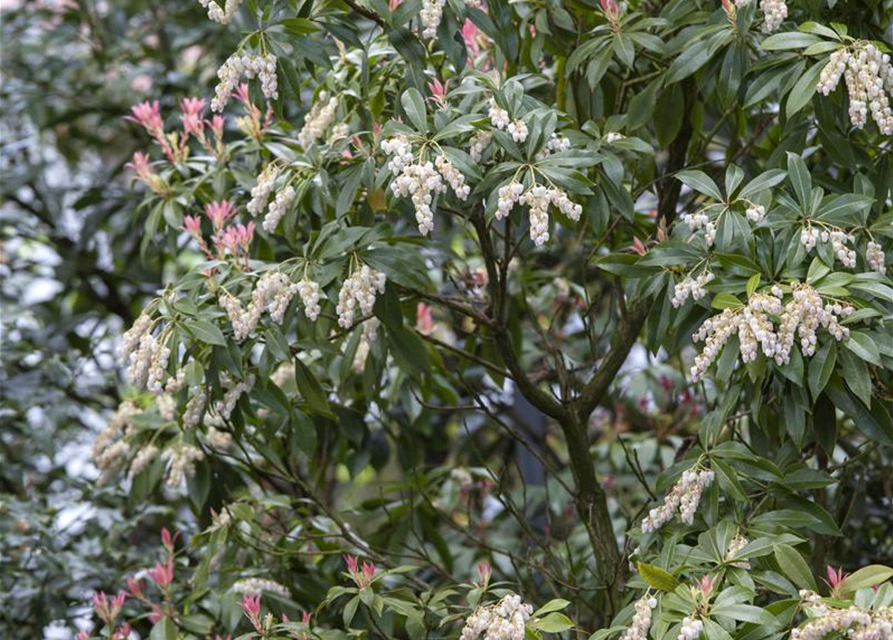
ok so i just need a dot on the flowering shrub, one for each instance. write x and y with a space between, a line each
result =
417 249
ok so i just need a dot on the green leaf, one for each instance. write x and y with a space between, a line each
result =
865 577
552 605
794 567
310 389
414 105
803 91
762 182
164 629
554 623
821 366
658 578
700 182
725 301
207 332
800 179
745 613
789 40
863 346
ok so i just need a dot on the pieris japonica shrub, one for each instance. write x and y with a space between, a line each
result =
415 245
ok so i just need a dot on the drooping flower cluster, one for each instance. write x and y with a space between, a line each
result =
755 212
499 117
735 546
278 208
696 221
537 198
518 130
505 620
421 181
478 143
431 15
318 119
851 622
248 66
359 292
195 407
684 497
256 586
143 458
224 14
641 623
756 331
810 237
693 287
108 452
227 404
555 144
774 13
869 78
691 628
875 258
273 293
309 292
260 193
181 463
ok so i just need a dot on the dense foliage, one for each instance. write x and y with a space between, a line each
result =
458 320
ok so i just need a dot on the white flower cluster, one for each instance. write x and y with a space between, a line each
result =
309 292
755 212
684 497
479 142
148 363
225 407
182 461
400 149
852 622
236 66
217 438
753 324
273 293
875 258
143 459
158 368
453 176
518 130
537 198
505 620
256 586
430 15
774 13
107 456
195 406
318 119
358 291
421 180
691 627
131 338
693 287
810 236
260 193
224 14
868 73
701 220
735 546
166 404
641 623
499 117
278 208
555 144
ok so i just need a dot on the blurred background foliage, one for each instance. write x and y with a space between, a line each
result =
69 283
